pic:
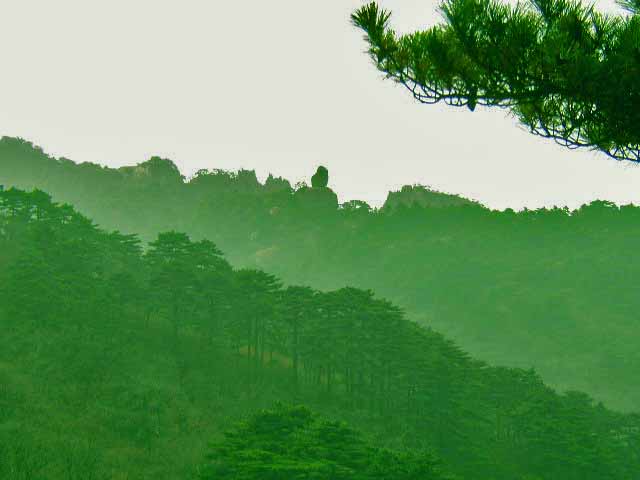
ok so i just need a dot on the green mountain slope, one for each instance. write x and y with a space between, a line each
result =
549 289
116 363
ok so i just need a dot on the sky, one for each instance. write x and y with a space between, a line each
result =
277 87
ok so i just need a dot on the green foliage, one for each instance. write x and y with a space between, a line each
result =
144 356
565 70
291 443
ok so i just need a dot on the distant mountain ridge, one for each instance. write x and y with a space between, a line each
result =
163 171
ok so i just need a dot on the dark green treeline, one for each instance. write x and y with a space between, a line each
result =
141 357
547 288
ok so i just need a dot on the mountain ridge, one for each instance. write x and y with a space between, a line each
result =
524 289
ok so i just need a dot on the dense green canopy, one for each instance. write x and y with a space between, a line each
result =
293 443
144 354
565 70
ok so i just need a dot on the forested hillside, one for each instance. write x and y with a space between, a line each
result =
119 363
549 288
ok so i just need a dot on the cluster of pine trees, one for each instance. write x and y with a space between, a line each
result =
292 443
101 332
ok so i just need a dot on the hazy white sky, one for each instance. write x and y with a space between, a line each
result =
278 87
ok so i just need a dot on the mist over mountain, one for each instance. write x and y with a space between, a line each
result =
118 361
547 288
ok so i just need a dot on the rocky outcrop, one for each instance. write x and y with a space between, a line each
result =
423 196
320 178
